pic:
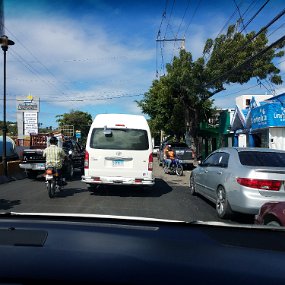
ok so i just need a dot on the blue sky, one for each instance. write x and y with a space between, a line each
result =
101 56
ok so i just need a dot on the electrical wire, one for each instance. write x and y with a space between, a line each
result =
193 15
254 16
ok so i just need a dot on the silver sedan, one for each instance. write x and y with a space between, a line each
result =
240 179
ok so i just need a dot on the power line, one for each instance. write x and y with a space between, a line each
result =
240 16
254 16
248 61
228 21
185 11
169 19
193 15
86 98
241 90
38 61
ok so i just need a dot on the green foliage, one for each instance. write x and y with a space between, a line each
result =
181 99
12 129
80 120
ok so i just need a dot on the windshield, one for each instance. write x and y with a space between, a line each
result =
138 95
127 139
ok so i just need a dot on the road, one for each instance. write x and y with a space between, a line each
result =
168 199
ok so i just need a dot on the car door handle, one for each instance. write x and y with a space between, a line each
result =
220 172
206 171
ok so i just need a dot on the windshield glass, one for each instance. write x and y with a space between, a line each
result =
127 139
147 109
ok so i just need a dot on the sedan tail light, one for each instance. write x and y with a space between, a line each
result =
86 160
273 185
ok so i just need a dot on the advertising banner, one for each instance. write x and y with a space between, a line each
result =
268 115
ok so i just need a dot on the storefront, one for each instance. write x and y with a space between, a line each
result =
261 125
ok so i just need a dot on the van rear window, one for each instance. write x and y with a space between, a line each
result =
124 139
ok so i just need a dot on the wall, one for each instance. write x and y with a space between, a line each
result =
277 138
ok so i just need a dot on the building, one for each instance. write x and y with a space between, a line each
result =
261 123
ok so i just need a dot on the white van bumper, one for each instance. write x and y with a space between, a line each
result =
117 180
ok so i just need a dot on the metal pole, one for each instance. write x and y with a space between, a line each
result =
4 156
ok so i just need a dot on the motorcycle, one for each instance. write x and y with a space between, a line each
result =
175 168
53 181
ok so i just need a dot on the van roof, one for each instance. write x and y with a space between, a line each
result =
117 120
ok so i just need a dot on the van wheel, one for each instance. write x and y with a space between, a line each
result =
91 187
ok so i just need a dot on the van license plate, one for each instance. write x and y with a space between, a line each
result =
118 163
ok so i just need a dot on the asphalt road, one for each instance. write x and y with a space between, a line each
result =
168 199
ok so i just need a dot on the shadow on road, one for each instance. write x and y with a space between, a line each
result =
160 188
67 192
236 217
7 204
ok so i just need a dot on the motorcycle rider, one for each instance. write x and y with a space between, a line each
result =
55 157
170 156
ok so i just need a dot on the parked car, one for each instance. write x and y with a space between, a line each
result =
155 150
240 179
11 152
271 214
182 151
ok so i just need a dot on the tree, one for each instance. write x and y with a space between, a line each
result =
12 129
80 120
189 85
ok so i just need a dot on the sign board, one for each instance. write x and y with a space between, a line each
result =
30 131
30 123
78 134
269 115
28 103
30 118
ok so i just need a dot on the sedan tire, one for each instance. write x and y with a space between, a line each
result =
192 185
223 207
273 224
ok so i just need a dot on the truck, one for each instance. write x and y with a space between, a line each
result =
34 163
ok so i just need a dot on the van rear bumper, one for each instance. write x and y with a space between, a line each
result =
117 180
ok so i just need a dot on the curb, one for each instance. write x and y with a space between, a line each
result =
16 176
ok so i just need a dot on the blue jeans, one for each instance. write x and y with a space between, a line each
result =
168 162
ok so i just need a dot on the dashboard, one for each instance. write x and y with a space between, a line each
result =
39 249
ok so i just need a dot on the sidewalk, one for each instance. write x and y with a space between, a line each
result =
14 172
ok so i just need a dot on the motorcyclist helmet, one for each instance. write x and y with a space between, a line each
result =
53 140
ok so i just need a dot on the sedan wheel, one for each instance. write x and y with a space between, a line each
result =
273 224
223 207
192 185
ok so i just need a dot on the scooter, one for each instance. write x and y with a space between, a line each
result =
53 181
175 168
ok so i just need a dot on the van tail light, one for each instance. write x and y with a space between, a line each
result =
273 185
86 160
150 162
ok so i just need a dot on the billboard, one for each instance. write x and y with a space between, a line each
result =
268 115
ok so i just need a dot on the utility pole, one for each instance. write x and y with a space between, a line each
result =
170 40
174 40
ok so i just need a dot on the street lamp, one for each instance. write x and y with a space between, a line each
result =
5 43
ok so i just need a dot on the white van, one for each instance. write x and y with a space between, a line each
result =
119 151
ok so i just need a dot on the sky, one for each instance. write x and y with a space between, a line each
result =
102 56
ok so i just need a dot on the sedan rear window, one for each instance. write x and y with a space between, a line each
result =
256 158
122 139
